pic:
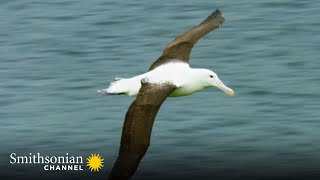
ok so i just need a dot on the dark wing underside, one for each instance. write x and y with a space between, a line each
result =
181 47
137 128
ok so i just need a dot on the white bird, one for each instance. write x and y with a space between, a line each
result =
169 75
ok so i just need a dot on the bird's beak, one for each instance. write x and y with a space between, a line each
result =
224 88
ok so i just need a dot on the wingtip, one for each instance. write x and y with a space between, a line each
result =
217 13
218 16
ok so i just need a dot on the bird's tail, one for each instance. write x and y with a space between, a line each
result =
119 86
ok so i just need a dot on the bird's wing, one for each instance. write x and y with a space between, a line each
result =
180 48
137 128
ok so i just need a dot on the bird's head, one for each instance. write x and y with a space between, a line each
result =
211 79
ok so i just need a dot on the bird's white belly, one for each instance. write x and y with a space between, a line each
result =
184 91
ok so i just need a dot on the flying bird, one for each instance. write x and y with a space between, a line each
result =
169 76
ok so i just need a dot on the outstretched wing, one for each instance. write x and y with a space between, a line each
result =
180 48
137 128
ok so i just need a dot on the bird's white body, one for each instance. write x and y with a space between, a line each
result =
186 79
178 73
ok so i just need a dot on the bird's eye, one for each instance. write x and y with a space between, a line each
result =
211 76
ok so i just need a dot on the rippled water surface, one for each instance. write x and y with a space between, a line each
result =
56 54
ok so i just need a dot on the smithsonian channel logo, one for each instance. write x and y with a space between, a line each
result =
66 162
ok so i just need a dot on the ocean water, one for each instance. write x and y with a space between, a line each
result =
56 54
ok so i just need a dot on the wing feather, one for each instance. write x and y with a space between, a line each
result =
181 47
136 132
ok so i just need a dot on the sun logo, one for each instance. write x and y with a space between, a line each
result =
95 162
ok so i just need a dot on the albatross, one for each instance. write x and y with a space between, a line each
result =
169 76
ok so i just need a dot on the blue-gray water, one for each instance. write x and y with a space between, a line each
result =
56 54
